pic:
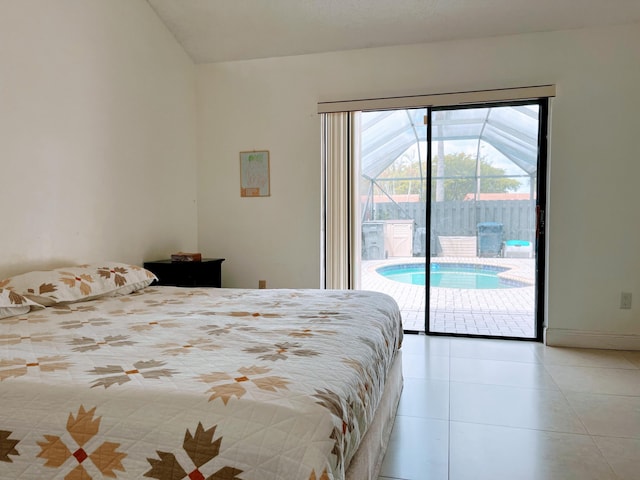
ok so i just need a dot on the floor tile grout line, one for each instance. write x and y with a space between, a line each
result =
598 367
528 429
616 395
593 436
606 458
583 392
520 387
577 415
498 360
588 435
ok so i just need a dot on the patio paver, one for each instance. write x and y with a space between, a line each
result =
506 312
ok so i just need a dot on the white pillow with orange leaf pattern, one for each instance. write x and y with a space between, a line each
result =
12 303
83 282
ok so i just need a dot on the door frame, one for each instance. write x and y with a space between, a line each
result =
540 221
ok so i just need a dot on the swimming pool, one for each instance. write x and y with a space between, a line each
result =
451 275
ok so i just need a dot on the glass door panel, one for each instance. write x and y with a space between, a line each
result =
484 170
393 201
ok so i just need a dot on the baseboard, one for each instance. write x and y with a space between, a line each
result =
560 337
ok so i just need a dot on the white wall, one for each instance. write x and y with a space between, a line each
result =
593 222
97 135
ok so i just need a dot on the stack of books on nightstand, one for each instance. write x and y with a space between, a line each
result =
186 257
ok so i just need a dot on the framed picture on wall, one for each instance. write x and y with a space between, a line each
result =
254 174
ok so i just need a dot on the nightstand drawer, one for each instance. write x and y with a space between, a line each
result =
207 273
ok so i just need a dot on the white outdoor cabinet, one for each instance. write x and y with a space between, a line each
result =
398 238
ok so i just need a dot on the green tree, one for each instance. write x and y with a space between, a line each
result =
459 176
405 176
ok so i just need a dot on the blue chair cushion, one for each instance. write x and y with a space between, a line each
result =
517 243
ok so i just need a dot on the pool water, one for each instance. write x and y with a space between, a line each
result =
450 275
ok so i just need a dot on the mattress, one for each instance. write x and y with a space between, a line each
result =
173 383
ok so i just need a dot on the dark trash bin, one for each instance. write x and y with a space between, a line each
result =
490 239
420 242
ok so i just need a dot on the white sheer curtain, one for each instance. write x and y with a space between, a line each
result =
340 206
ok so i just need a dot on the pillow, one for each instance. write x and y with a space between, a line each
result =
84 282
12 303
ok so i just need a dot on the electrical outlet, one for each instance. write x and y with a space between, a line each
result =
625 300
262 284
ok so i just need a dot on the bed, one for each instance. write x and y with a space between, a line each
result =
103 375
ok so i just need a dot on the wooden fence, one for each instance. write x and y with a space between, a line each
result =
461 218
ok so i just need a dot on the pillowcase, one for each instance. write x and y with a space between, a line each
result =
84 282
12 303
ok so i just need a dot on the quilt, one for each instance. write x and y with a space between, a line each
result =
174 383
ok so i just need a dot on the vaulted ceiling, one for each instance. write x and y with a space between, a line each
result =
227 30
231 30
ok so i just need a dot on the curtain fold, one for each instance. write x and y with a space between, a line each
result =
341 218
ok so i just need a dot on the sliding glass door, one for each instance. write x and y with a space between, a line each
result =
450 204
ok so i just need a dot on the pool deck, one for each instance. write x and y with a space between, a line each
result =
503 312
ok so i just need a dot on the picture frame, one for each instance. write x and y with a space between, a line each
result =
254 174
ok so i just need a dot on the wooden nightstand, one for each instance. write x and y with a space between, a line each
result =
206 273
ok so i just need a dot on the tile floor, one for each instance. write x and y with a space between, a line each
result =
476 409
